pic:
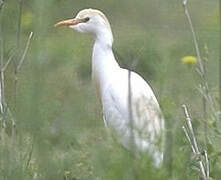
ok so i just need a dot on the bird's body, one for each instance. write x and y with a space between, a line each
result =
129 105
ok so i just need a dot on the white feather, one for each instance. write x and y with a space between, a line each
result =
112 83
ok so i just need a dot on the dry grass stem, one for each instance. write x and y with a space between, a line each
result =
189 132
186 11
9 61
25 52
220 62
4 109
209 105
130 110
188 138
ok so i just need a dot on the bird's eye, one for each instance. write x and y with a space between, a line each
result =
86 19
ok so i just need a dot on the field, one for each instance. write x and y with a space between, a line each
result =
51 121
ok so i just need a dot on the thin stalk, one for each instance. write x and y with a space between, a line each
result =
2 92
18 36
130 110
29 156
13 136
20 63
8 61
207 164
2 110
193 143
220 61
24 53
201 71
131 122
1 65
205 108
196 46
21 3
188 138
17 69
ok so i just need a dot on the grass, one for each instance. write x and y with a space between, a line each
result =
60 132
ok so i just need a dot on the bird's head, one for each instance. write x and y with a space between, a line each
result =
88 21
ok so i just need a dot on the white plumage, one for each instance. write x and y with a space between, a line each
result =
111 81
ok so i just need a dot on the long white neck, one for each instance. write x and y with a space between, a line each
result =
104 64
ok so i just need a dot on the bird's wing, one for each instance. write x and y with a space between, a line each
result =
147 122
146 117
146 111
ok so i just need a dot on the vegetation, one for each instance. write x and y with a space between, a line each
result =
51 121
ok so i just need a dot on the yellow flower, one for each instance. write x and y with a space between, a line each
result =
27 20
189 60
66 173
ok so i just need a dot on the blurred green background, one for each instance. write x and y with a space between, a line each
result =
60 132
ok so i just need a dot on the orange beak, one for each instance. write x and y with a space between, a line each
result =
69 22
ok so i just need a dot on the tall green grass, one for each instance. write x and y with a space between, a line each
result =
59 128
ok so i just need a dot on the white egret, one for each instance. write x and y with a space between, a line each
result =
112 84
